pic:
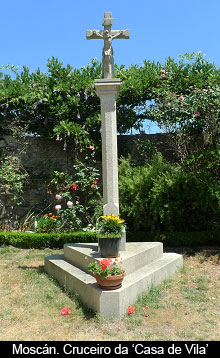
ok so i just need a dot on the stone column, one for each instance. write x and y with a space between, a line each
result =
107 90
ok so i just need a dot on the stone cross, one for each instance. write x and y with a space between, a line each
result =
107 89
107 35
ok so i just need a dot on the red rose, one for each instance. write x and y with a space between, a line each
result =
95 182
74 187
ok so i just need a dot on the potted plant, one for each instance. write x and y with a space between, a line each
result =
109 232
108 274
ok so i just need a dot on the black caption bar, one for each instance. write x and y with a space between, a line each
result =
109 348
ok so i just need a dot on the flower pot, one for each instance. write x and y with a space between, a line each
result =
109 247
110 282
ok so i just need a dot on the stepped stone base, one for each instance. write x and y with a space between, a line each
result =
144 262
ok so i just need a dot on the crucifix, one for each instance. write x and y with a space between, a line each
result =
107 89
107 35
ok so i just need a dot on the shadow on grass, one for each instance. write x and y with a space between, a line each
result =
39 268
206 252
84 310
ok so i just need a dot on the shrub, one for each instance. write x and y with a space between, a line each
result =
135 185
47 223
190 239
78 195
185 202
39 241
13 177
162 197
55 240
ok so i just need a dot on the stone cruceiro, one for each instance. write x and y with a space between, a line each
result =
145 263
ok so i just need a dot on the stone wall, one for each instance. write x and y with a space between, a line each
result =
127 144
41 156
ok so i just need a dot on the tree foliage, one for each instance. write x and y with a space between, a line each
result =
187 102
181 96
41 103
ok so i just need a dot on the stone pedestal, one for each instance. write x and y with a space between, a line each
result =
144 262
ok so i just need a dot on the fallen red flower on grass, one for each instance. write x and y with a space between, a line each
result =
145 308
131 310
65 311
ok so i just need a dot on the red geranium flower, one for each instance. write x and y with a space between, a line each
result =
65 311
104 263
131 309
74 187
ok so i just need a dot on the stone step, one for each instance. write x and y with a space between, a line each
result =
112 303
135 256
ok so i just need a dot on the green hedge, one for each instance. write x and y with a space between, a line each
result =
197 238
161 196
55 240
38 241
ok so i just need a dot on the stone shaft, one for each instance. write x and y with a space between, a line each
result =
107 91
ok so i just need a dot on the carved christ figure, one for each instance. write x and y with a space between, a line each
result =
107 35
107 52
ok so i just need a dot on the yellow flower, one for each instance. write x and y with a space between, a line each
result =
109 217
112 217
45 216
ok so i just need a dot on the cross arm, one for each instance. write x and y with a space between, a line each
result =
120 34
94 34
